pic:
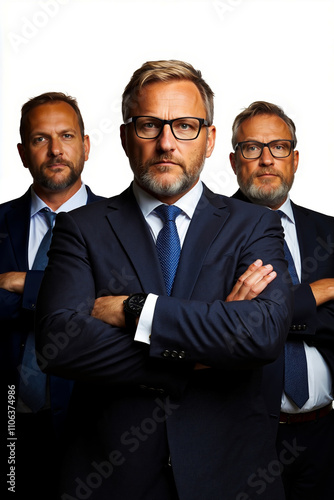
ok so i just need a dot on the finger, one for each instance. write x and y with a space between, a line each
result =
251 269
257 275
254 284
260 285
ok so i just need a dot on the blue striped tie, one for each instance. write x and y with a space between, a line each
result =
168 244
295 375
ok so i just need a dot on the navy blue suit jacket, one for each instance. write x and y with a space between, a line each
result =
17 311
134 404
314 325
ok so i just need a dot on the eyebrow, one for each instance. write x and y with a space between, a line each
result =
64 131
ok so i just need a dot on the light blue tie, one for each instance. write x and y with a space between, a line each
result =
295 374
168 244
33 381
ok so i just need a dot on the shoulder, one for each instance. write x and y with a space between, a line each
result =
308 216
93 197
239 208
99 207
17 203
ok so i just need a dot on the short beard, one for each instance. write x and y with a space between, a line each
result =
52 185
256 194
159 188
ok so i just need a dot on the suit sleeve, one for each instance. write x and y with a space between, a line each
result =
31 289
73 344
70 342
233 335
10 304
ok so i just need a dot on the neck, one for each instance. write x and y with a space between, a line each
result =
165 198
55 199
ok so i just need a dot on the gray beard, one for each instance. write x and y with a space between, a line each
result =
257 195
179 186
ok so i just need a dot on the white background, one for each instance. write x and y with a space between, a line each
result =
275 50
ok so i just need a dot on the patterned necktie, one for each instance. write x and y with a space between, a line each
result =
295 374
168 244
33 381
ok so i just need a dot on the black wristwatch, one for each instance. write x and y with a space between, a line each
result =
133 306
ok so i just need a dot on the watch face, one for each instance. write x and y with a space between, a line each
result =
136 302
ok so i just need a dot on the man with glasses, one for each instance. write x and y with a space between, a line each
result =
135 307
299 385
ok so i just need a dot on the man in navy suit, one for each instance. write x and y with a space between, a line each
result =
54 148
167 402
265 162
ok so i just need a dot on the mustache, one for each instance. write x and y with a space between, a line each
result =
267 171
162 158
57 161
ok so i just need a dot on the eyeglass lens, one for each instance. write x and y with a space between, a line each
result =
183 128
279 149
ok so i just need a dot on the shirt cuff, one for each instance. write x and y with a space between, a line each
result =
144 327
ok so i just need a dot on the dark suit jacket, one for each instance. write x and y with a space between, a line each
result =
314 325
133 403
17 311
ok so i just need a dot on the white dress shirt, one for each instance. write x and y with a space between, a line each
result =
148 204
38 224
319 377
38 228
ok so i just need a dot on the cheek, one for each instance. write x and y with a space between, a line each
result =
245 172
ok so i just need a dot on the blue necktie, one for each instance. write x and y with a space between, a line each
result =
33 381
295 375
168 244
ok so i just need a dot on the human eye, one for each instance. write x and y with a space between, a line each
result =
185 125
38 140
150 124
68 136
252 147
281 147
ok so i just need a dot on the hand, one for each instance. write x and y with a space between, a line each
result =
13 281
110 310
252 282
323 290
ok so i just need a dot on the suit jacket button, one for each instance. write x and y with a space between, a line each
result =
182 354
174 354
166 353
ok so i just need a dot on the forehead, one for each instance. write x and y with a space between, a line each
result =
264 128
51 115
169 100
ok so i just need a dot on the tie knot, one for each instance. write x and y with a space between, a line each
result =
49 216
168 212
280 213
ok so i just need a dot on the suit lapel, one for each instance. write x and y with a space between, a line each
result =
209 217
306 234
18 224
136 241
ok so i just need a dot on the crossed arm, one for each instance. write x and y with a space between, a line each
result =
13 281
249 285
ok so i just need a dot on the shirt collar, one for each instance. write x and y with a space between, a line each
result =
76 201
187 202
286 208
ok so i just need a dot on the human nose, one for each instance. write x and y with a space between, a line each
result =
55 147
166 140
266 157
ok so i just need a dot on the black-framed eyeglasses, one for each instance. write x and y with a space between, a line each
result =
186 128
252 150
